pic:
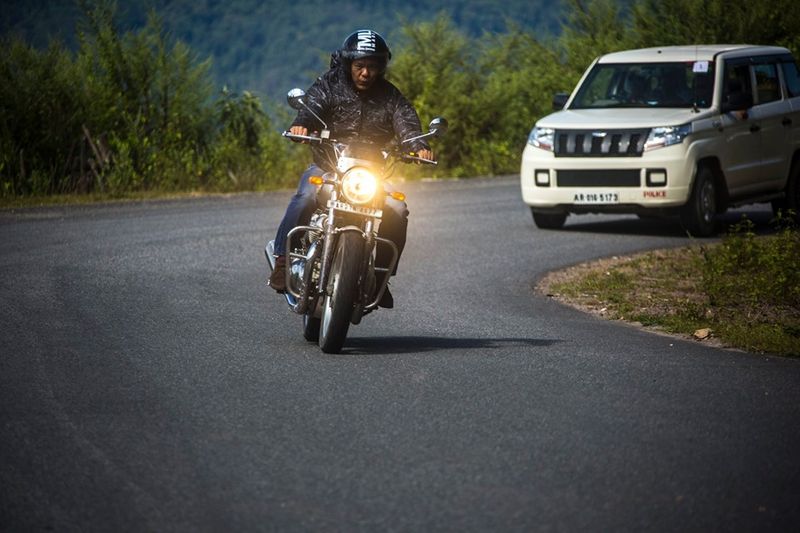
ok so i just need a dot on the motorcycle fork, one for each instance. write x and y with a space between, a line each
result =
363 284
327 249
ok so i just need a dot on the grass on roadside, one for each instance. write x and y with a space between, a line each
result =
745 290
95 198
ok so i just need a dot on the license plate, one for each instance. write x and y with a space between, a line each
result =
596 197
347 208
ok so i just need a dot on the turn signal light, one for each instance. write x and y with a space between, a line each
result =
316 180
398 196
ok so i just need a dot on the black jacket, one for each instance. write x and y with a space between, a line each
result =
379 115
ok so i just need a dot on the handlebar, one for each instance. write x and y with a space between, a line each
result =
309 138
412 158
408 158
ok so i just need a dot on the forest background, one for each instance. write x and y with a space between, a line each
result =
188 96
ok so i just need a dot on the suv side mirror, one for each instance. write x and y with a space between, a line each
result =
559 101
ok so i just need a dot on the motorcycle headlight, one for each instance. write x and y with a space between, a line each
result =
666 136
359 185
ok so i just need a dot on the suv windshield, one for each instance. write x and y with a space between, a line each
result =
685 84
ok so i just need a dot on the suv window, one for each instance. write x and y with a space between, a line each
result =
684 84
768 87
792 78
737 81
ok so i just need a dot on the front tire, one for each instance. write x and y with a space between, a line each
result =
548 220
337 308
698 215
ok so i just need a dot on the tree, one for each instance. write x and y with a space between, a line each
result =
672 22
593 27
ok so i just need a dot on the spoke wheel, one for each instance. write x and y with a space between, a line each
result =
338 304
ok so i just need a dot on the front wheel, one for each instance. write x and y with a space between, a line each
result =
548 220
338 302
698 215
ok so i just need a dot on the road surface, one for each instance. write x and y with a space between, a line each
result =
150 381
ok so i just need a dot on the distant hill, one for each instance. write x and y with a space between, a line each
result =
269 46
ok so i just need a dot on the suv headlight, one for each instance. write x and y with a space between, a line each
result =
666 136
359 185
542 138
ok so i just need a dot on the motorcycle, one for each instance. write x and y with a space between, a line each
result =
331 276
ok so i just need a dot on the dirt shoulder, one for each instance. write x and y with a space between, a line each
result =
650 290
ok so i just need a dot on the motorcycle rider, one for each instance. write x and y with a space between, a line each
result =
357 103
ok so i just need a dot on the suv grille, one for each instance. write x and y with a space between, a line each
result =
600 143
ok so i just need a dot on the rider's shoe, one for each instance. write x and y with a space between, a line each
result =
277 280
386 301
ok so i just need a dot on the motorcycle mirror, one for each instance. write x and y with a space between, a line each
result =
438 126
295 98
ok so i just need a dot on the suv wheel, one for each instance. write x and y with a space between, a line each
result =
792 199
548 220
698 214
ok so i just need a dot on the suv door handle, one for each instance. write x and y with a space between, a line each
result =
786 121
755 128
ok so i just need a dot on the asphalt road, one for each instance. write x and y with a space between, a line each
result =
149 381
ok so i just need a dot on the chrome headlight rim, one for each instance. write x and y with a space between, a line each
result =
360 185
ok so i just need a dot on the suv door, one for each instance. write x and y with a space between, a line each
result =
791 79
772 114
740 156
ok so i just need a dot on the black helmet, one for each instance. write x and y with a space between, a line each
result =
365 43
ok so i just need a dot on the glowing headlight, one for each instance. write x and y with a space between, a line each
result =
542 138
359 185
667 136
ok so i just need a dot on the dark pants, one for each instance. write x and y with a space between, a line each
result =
394 223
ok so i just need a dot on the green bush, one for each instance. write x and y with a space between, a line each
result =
753 286
248 152
40 118
136 111
755 270
128 112
491 90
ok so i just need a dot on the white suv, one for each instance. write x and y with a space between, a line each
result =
688 130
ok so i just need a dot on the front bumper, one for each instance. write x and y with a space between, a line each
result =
658 181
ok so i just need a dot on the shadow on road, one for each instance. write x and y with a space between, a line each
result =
664 226
413 344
